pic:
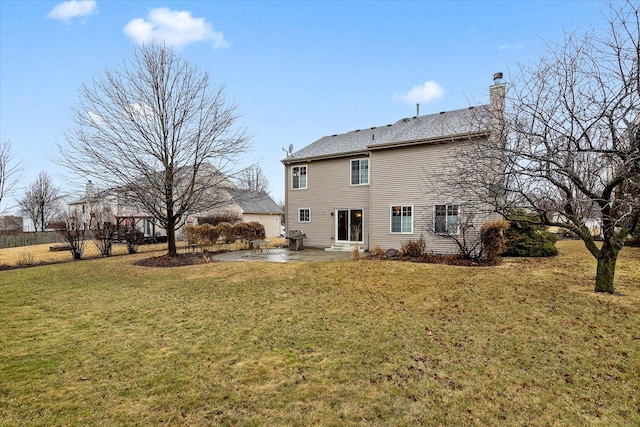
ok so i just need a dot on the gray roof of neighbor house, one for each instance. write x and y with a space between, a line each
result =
450 125
254 201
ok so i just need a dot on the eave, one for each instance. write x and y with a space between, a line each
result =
430 141
287 161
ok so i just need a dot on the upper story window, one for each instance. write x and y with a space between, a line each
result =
359 171
298 177
446 219
402 219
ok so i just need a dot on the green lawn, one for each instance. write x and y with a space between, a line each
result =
106 342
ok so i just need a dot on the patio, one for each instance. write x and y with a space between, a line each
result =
281 255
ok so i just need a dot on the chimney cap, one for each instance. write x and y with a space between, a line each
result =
497 77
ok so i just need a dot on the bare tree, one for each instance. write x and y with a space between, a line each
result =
74 232
103 229
253 179
41 201
570 152
156 129
9 170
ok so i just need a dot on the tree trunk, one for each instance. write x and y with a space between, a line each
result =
171 236
606 268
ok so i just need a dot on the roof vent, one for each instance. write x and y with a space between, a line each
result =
389 126
441 112
335 134
373 127
472 107
357 130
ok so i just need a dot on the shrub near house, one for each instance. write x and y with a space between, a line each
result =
527 239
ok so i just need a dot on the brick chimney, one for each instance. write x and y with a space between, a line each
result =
497 95
90 190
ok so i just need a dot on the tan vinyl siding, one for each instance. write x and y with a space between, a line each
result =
399 179
328 188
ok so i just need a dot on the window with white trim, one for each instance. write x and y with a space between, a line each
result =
298 177
304 215
360 172
402 219
446 219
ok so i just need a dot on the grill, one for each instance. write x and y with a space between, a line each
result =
295 238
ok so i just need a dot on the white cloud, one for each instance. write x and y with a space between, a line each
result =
71 9
511 46
423 93
174 27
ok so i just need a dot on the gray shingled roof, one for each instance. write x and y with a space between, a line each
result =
449 124
254 202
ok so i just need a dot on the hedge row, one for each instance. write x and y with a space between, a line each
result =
209 235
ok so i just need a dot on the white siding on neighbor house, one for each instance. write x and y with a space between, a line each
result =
328 188
399 178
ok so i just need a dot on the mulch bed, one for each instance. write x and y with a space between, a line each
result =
455 260
178 260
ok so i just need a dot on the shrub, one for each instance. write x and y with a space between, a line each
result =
493 241
191 233
103 236
257 231
242 232
26 258
226 232
355 253
413 248
633 240
527 239
228 217
74 233
208 235
134 238
377 253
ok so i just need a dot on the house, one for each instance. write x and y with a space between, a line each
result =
246 206
367 187
119 207
11 224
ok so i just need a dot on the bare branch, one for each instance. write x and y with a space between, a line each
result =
571 145
9 170
156 129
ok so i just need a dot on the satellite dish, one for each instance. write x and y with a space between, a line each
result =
289 151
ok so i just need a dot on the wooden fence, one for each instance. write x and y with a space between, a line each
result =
29 238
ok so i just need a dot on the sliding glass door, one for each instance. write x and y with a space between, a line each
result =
349 225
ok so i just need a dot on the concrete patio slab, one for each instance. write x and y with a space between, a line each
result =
282 255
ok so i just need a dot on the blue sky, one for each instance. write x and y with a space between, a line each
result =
297 71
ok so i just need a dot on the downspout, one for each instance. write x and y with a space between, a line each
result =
370 213
286 199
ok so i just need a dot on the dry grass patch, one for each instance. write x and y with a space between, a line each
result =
330 343
40 254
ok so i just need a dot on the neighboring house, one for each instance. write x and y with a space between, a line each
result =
591 218
245 206
368 186
259 207
93 202
119 207
13 224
